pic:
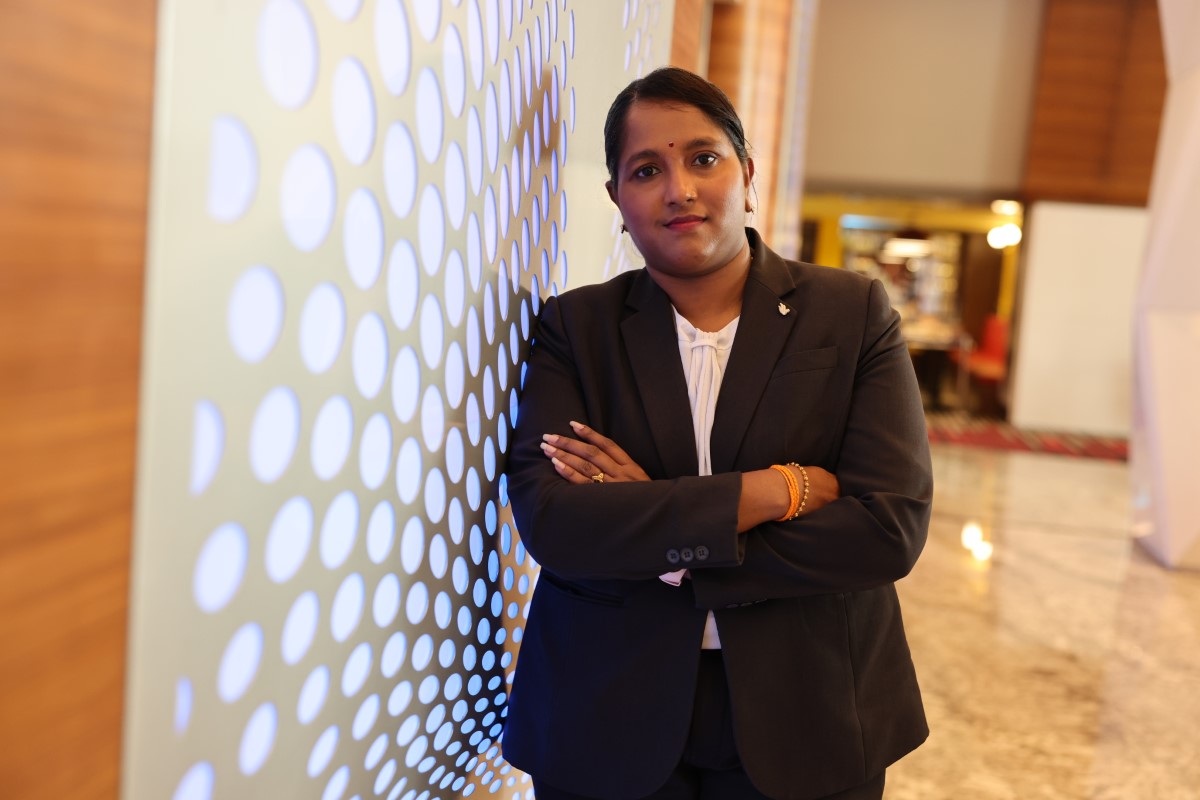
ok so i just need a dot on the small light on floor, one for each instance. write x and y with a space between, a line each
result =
982 551
972 534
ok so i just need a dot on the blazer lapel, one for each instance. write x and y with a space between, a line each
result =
653 348
762 331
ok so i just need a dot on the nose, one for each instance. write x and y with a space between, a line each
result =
680 188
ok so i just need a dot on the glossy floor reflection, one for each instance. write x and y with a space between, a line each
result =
1066 664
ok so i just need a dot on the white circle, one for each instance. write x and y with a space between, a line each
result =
435 495
408 471
287 52
417 603
455 184
475 42
232 169
288 539
255 315
389 663
375 451
339 529
399 166
392 45
493 29
455 290
429 17
274 434
438 556
345 10
474 252
239 664
406 384
331 437
454 70
358 667
506 98
455 375
370 355
353 110
300 627
403 284
312 695
387 600
490 224
473 420
257 739
432 230
347 607
184 698
381 530
474 150
433 331
412 545
433 419
473 345
430 119
220 567
364 720
197 783
208 445
454 455
362 238
491 127
337 784
322 752
322 327
308 197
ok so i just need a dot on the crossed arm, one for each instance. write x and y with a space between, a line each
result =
764 496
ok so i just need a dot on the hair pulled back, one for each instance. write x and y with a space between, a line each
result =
671 85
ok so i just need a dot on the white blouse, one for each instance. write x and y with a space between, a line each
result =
704 355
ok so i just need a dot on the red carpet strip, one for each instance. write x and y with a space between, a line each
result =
956 428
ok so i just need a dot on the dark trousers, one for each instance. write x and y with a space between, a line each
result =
710 768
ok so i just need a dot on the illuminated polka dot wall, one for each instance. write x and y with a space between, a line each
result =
359 207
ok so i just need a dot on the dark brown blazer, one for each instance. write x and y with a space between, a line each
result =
822 684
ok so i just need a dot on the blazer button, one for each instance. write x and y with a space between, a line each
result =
673 556
686 554
702 553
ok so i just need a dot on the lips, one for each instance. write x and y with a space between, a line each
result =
684 223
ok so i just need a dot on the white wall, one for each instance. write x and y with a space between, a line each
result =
1072 366
922 94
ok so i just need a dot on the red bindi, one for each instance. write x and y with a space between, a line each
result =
670 144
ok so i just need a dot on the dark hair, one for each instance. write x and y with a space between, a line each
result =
671 85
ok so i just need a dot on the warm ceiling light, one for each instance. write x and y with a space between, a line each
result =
1009 208
1003 236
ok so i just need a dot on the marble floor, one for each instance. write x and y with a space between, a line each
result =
1057 660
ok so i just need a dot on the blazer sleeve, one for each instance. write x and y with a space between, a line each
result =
604 530
873 533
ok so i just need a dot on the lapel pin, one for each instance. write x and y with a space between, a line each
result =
784 310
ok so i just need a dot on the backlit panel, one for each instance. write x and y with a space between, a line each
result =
358 208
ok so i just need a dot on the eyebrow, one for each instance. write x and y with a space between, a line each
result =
650 152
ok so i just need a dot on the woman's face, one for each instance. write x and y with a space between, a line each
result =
681 189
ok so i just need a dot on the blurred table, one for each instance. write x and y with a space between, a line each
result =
931 342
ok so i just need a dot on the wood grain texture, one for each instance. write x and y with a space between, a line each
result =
75 119
748 59
688 28
1099 100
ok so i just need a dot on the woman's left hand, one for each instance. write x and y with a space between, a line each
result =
592 458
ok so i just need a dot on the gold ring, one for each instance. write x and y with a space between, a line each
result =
598 477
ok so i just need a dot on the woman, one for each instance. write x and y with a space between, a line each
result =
721 465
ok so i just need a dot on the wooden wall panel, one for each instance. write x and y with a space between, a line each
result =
689 45
1100 92
748 59
75 120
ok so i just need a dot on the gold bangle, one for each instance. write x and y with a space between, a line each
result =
804 499
794 503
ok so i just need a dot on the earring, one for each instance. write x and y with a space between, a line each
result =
749 208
